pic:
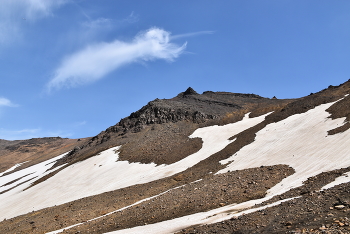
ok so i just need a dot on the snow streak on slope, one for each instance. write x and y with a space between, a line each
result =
12 168
339 180
104 172
22 179
16 182
212 216
300 141
115 211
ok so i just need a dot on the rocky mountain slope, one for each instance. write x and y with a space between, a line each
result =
215 162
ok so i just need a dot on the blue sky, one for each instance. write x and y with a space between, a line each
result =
72 68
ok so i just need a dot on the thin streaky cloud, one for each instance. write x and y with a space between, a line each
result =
193 34
96 28
19 134
82 11
26 133
30 9
132 18
97 24
78 124
106 22
6 102
14 12
29 133
97 60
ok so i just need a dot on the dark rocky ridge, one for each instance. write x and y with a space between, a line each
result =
189 106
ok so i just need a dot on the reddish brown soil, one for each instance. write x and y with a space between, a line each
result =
34 150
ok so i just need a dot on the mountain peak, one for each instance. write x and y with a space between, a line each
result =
190 91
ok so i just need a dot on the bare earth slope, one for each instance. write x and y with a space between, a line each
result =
215 162
33 151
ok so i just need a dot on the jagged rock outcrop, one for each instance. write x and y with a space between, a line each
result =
188 105
189 91
158 112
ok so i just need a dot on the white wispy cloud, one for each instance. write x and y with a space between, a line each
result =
8 32
97 23
78 124
65 130
30 9
132 18
29 133
6 102
97 60
14 12
192 34
108 23
93 29
18 134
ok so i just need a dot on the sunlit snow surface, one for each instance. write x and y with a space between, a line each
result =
11 201
104 172
300 141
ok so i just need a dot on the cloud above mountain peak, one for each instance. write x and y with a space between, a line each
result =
97 60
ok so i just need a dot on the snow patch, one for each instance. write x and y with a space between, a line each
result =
19 177
300 141
339 180
12 168
16 201
212 216
123 208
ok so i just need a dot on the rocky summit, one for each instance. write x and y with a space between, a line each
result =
216 162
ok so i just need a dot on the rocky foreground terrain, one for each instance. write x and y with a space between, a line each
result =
216 162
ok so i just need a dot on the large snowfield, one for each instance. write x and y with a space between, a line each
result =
300 141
